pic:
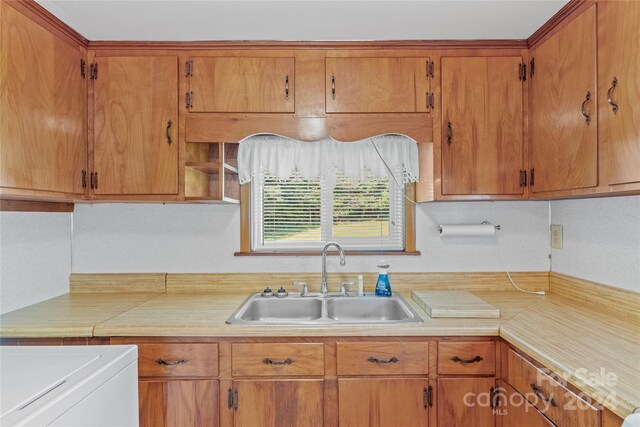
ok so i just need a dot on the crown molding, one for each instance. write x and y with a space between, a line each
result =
561 16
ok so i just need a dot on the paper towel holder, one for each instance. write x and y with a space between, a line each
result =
497 227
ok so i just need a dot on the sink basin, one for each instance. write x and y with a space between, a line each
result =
374 309
316 309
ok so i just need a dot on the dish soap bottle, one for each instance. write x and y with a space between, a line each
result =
383 287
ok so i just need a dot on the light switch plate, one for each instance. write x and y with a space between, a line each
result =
556 236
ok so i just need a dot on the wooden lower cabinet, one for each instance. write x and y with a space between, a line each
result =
389 402
465 402
281 403
184 403
515 411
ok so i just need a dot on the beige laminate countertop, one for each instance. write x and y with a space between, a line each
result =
571 339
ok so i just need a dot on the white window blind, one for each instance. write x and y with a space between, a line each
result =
298 214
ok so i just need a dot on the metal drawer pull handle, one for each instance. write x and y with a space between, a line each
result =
169 124
584 107
473 360
614 106
538 393
171 362
449 133
374 359
287 361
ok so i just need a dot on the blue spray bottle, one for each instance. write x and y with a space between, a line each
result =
383 287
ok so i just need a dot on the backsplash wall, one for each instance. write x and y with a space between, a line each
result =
35 257
202 238
601 240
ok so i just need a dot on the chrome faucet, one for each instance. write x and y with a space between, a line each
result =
324 290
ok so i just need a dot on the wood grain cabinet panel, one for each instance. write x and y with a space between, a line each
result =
177 360
43 102
563 145
619 93
377 85
242 85
279 403
513 410
465 402
466 358
482 126
383 358
392 402
135 125
552 398
184 403
277 359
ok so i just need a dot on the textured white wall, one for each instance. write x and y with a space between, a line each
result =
202 238
601 240
35 257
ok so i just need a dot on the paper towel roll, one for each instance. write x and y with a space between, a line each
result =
632 420
471 230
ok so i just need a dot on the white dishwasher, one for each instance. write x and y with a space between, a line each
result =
88 386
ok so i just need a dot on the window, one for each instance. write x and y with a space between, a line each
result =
299 214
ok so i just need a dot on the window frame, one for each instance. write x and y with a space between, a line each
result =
246 227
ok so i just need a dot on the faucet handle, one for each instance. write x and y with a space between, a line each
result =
305 287
343 288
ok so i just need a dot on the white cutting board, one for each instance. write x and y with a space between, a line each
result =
454 304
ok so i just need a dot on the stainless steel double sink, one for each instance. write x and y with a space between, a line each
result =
323 310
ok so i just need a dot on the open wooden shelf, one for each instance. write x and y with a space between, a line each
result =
211 172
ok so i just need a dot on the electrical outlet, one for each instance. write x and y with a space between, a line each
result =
556 236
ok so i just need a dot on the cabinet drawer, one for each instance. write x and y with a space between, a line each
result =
558 403
177 360
473 358
277 359
383 358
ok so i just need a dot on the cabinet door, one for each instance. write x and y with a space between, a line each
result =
515 411
188 403
279 403
377 85
42 98
619 62
563 141
465 401
135 125
482 142
245 85
393 402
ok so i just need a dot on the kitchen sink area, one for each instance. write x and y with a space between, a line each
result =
314 309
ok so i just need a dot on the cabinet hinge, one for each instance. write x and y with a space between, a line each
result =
427 397
429 69
84 178
189 68
532 176
83 69
523 178
232 399
429 101
532 65
93 72
495 394
93 180
189 100
522 72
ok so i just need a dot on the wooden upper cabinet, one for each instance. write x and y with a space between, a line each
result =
619 92
482 126
136 125
378 85
43 144
563 140
241 85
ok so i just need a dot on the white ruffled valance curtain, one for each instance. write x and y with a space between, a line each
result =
283 158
